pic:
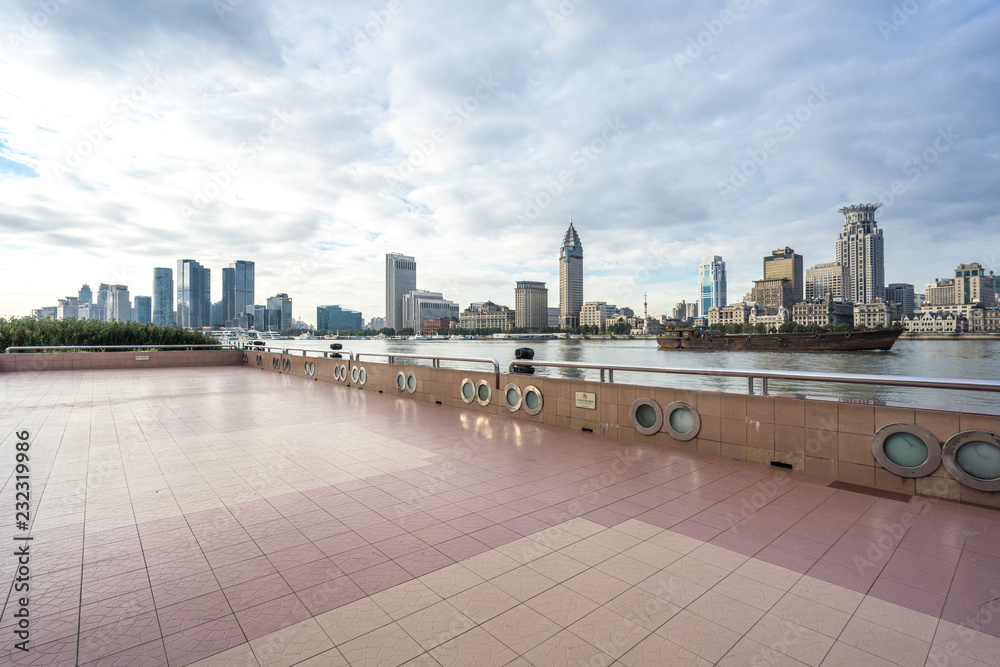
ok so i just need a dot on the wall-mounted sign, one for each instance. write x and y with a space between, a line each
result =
586 400
144 357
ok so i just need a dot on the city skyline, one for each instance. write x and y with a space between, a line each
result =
133 137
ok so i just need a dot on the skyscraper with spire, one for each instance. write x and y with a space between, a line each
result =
570 279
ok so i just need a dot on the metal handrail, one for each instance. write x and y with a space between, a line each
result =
325 354
751 375
20 348
436 360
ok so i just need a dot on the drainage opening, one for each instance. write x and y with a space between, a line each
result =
438 402
779 464
587 430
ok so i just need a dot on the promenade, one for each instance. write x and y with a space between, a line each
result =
220 516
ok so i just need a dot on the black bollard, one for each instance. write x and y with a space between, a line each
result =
524 353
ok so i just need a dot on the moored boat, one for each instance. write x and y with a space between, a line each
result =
694 339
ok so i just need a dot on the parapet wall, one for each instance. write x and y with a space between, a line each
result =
827 437
64 361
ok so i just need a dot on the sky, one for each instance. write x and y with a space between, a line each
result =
314 138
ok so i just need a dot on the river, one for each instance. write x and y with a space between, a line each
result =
962 359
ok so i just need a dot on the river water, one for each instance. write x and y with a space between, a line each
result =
952 359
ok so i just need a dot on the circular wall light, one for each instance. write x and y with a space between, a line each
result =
260 360
362 377
355 374
647 417
512 397
467 390
411 383
343 372
973 458
275 363
681 420
400 381
906 450
532 400
484 393
287 365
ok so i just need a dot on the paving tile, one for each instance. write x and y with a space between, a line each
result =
482 602
389 645
656 650
565 648
562 605
476 647
643 608
791 639
700 635
291 644
352 620
405 599
521 628
436 624
884 643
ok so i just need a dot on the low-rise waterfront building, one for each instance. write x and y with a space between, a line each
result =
825 312
335 318
734 313
931 323
487 315
422 305
771 320
876 312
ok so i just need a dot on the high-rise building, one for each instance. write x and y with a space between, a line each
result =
594 313
553 318
86 296
92 311
243 287
281 304
772 294
711 283
973 285
570 279
400 280
860 251
215 314
48 312
531 306
194 288
784 263
104 299
941 292
376 323
825 280
901 293
142 309
68 307
421 305
163 297
335 318
228 303
120 304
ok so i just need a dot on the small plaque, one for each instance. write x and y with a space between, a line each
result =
586 400
144 357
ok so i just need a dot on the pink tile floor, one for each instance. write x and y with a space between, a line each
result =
181 514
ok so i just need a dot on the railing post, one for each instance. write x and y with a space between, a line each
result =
611 376
750 385
763 386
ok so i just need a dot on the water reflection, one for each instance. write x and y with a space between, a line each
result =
571 350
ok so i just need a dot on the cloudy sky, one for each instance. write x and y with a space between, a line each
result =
315 138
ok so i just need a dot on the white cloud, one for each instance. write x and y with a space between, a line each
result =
266 133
